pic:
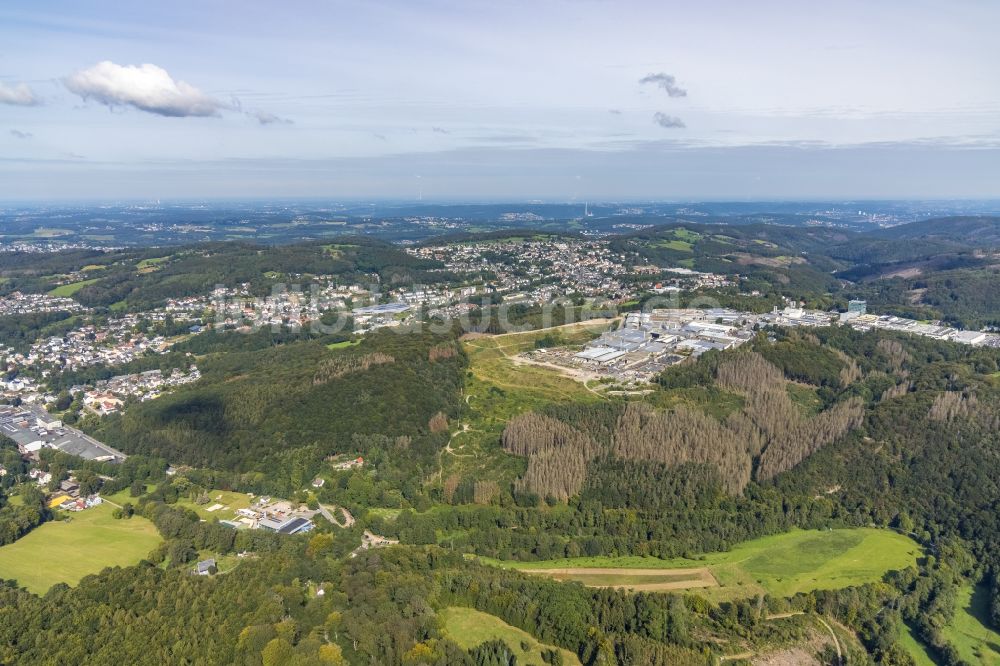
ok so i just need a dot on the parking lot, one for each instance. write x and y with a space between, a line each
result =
21 425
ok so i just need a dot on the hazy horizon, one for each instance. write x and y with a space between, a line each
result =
477 101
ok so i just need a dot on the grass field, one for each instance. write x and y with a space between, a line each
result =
123 496
521 386
679 245
65 552
908 639
51 232
386 513
67 290
975 641
343 344
230 501
805 398
782 564
150 265
469 628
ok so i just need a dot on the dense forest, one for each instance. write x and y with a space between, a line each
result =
278 409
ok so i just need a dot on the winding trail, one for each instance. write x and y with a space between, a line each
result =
348 518
781 616
836 641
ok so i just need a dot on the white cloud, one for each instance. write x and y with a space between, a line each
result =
669 122
18 95
665 81
265 118
145 87
21 135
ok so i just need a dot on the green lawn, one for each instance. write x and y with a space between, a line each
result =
65 552
67 290
469 628
782 564
969 632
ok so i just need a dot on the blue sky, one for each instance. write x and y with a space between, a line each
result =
580 99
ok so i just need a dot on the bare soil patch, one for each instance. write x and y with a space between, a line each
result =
642 580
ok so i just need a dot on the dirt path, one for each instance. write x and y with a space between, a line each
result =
448 448
688 578
782 616
836 641
348 518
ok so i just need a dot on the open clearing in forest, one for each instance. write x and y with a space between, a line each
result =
781 564
493 366
908 639
497 389
469 627
969 631
66 551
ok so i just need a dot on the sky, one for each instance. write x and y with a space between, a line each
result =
548 99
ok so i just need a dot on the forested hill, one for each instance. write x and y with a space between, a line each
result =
283 409
142 279
979 231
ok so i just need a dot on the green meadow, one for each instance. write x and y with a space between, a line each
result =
969 632
66 551
781 564
469 627
67 290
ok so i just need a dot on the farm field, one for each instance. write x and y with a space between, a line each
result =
469 627
975 641
781 564
65 552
